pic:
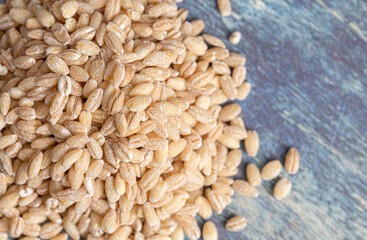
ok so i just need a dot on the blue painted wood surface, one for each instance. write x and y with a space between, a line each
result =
307 62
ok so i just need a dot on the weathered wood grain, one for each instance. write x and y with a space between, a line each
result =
307 61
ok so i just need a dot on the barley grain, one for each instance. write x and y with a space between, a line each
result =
252 143
209 231
253 175
282 188
69 9
44 17
245 189
205 210
271 170
292 161
236 224
224 7
235 37
57 65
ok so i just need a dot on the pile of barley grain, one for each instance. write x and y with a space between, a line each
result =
111 124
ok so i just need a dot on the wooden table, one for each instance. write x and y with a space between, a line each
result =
307 62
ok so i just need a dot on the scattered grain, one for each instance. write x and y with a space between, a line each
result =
271 170
235 38
252 143
245 189
282 188
236 224
253 175
292 161
224 7
209 231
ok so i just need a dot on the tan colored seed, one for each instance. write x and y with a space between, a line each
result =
282 188
139 103
7 140
122 233
57 65
24 62
236 224
244 188
64 85
16 227
196 45
35 165
10 200
61 236
205 210
224 7
150 215
44 17
214 41
50 230
71 157
253 175
235 37
20 15
271 170
154 59
292 161
158 192
149 179
234 158
243 90
209 231
69 9
87 48
229 112
252 143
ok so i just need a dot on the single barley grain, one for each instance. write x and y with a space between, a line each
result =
68 9
292 161
224 7
253 175
282 188
214 41
209 231
245 189
235 38
243 90
205 210
271 170
236 224
252 143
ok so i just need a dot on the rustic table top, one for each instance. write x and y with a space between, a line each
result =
307 62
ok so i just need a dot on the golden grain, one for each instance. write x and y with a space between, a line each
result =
235 38
69 9
236 224
253 175
252 143
224 7
271 170
292 161
209 231
282 188
245 189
